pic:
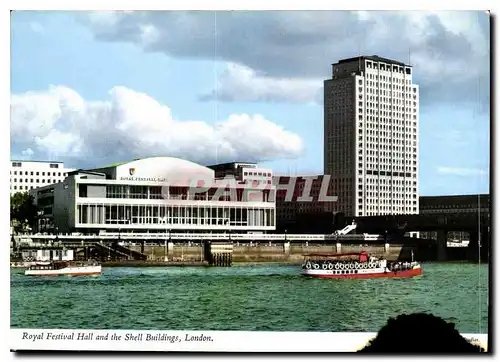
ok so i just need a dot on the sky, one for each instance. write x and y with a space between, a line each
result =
94 88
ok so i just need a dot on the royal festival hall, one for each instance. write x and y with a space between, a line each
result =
158 194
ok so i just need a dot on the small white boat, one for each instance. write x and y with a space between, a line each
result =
60 268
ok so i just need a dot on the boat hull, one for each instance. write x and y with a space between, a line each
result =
363 274
68 271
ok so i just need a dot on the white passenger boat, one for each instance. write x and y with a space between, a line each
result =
60 268
357 266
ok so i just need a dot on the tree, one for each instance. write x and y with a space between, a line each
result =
23 211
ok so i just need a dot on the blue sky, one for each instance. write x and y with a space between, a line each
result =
90 89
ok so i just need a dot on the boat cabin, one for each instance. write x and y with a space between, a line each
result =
361 257
57 265
48 266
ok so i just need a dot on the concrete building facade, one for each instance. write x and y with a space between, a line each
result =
454 204
248 172
299 195
371 115
28 175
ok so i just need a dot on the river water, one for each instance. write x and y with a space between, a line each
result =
247 297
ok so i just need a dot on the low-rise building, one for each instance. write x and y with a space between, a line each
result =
28 175
453 204
155 195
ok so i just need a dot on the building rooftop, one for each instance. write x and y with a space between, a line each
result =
81 171
36 161
375 58
159 166
116 164
228 164
471 199
453 196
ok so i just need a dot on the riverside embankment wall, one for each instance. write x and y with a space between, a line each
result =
265 252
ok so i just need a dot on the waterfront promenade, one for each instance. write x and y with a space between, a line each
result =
191 249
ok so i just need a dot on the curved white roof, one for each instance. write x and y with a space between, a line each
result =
170 168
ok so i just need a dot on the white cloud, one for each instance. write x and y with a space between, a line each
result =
240 83
36 27
59 124
460 171
149 34
281 46
28 152
106 18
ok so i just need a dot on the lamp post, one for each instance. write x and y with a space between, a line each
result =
39 220
228 229
226 256
164 220
169 238
167 231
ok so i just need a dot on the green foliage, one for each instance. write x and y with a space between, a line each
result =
23 211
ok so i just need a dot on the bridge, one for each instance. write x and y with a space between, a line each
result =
419 222
476 224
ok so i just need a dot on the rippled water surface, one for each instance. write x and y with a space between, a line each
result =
246 297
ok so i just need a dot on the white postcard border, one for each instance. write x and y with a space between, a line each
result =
194 341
